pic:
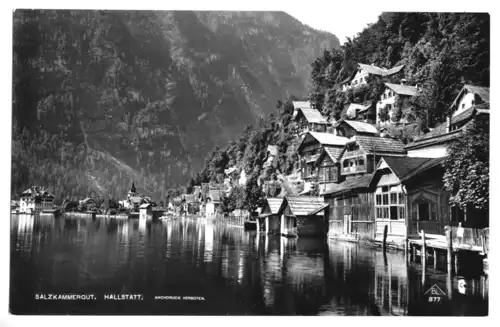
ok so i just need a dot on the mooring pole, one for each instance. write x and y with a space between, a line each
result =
449 255
384 242
423 251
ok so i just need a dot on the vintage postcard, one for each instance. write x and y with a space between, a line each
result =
249 163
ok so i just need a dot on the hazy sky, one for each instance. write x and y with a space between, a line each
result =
341 23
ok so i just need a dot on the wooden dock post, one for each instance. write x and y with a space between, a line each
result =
449 241
414 248
384 242
423 250
435 258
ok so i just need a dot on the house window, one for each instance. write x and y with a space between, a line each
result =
426 211
463 105
390 203
385 96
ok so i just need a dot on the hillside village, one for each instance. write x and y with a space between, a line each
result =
351 178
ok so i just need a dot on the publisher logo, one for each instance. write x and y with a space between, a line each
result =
435 294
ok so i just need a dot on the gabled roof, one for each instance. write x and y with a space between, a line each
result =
403 89
360 127
330 151
481 91
274 204
379 145
350 184
303 205
313 116
372 69
301 104
145 206
37 191
324 139
407 167
354 108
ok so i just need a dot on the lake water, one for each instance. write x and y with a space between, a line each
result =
226 269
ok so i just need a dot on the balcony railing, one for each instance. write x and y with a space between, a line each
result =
354 154
354 169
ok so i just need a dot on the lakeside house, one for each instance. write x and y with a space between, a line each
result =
34 200
213 201
269 220
305 216
361 74
409 196
392 99
350 197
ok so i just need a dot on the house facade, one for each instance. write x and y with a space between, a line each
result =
360 75
393 96
310 149
310 120
34 200
409 197
213 203
351 198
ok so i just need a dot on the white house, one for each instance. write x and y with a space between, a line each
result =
389 97
34 200
145 211
213 203
471 104
359 76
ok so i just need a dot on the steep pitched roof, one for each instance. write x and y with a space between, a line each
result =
301 104
303 205
379 145
361 126
313 116
371 69
329 139
333 152
403 166
354 108
435 139
349 184
402 89
481 91
274 204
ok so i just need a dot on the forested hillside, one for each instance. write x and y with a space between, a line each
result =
104 98
440 52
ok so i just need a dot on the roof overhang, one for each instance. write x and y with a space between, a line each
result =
323 207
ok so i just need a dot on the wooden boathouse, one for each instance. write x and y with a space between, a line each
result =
269 220
303 216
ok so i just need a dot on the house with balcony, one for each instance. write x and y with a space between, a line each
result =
393 98
360 75
351 198
310 149
471 106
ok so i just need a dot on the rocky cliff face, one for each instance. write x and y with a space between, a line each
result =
102 98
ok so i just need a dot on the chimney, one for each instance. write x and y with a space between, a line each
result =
403 81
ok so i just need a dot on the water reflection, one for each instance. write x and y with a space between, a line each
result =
237 272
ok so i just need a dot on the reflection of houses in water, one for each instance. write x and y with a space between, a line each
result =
390 289
209 241
24 233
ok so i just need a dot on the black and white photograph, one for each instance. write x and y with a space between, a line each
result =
249 162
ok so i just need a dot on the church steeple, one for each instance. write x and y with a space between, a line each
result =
132 189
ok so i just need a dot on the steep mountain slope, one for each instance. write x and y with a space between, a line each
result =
102 98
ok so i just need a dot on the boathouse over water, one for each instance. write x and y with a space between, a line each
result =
303 216
269 220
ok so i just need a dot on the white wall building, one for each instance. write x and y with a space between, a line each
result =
389 97
34 200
